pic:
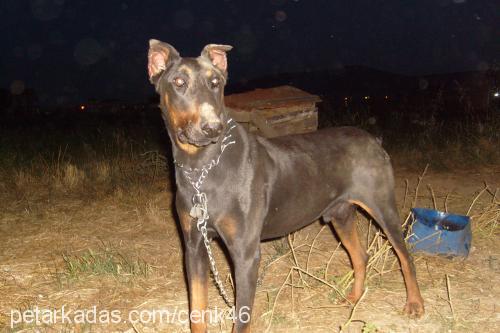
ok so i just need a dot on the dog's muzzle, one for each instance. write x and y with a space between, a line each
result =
206 134
212 129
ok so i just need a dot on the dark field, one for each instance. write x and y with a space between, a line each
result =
86 219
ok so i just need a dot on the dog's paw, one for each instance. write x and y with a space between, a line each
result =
350 299
414 309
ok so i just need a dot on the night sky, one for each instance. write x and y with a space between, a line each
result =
73 50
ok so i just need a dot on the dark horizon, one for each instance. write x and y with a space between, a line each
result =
72 52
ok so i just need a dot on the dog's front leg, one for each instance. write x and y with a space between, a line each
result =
196 261
246 261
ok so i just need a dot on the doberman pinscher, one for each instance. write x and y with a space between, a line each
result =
257 188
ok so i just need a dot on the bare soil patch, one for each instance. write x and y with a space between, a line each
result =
120 250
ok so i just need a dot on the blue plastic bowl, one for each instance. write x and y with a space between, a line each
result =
436 232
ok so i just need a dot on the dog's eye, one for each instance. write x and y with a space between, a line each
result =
215 82
179 82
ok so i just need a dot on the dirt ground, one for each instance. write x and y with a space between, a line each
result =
45 237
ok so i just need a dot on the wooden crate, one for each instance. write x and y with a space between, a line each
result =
275 111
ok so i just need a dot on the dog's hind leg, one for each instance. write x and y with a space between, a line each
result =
387 217
390 224
342 218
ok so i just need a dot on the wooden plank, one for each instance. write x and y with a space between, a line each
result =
239 116
282 96
268 113
268 103
301 121
295 116
261 123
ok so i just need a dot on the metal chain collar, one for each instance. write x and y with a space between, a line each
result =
199 211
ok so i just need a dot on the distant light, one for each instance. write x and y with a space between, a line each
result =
367 97
497 94
386 97
346 101
82 107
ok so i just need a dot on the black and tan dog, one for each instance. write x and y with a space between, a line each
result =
266 188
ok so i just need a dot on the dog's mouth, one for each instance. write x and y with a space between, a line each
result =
190 135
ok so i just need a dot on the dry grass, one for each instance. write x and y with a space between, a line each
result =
102 171
102 262
70 177
487 220
52 253
23 179
66 192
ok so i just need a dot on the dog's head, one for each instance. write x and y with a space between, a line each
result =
191 91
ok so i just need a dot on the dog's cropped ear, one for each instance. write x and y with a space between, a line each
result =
160 55
216 53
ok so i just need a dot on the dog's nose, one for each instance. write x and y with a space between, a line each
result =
212 129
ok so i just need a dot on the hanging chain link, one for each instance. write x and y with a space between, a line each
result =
199 211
